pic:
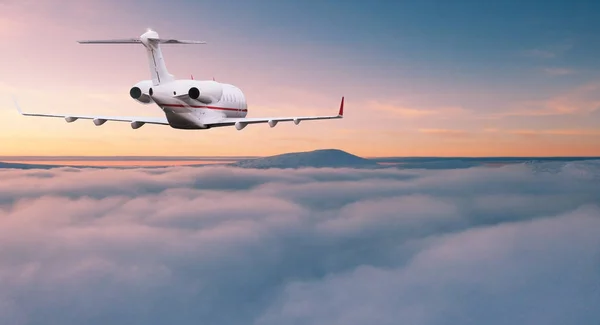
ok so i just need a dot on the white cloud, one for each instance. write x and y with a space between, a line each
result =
233 246
537 272
558 71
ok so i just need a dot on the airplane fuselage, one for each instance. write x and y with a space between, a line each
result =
189 104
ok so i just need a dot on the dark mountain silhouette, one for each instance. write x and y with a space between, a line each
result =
332 158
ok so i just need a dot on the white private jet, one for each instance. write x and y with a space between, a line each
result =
187 103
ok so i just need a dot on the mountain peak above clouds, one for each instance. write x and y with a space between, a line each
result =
322 158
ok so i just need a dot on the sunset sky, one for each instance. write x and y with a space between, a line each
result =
421 78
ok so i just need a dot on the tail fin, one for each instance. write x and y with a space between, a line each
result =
151 41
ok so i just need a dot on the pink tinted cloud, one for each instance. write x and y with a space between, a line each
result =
409 212
508 266
417 111
214 238
556 132
445 132
579 101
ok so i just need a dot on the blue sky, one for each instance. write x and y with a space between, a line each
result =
506 46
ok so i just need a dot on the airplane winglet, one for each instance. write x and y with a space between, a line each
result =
17 105
341 112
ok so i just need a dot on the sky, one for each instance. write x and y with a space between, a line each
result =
420 78
518 244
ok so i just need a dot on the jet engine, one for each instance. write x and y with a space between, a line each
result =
206 92
141 90
194 93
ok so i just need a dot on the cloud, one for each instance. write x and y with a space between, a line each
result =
578 101
495 275
414 112
551 51
220 245
558 71
519 132
556 132
537 53
445 132
491 130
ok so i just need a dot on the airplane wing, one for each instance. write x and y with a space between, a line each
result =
136 122
241 123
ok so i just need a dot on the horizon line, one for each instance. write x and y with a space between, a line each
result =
221 158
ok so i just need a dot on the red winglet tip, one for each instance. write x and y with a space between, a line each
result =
341 113
192 76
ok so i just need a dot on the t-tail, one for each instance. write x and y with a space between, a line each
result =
156 61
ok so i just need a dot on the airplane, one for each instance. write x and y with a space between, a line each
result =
188 104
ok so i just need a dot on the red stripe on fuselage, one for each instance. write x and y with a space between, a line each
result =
208 107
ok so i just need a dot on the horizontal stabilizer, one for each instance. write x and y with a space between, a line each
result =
113 41
138 41
176 41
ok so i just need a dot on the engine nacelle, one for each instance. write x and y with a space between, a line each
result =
240 125
194 93
136 125
99 121
141 91
206 92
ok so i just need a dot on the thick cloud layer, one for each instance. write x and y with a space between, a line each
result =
218 245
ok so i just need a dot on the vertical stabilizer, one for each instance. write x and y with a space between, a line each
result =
156 61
